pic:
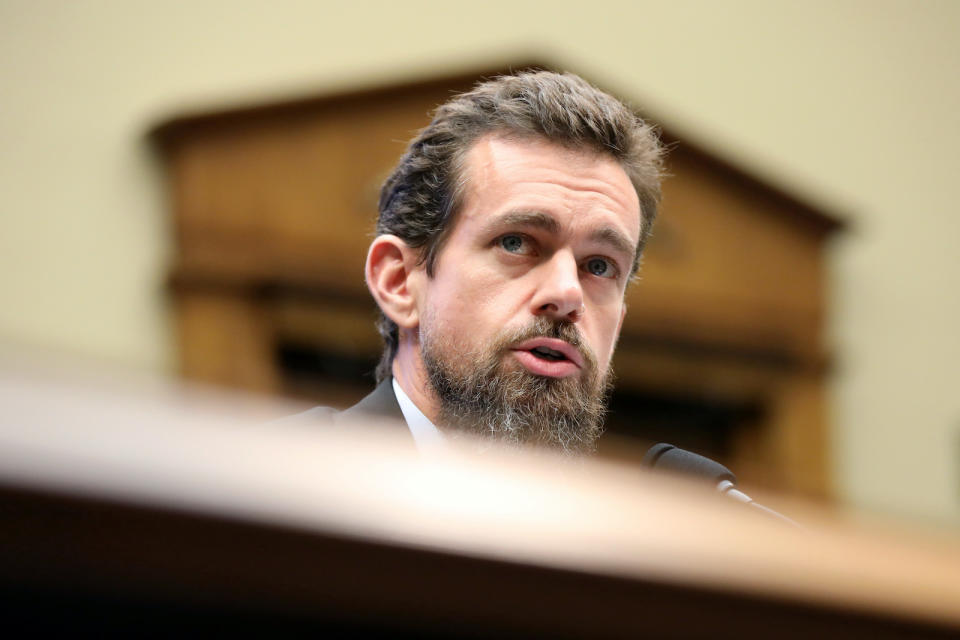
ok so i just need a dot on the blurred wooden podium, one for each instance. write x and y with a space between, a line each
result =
166 512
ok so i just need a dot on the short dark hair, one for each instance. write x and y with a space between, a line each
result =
420 198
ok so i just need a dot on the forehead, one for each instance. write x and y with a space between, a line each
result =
577 186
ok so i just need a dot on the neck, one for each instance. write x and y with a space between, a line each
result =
410 374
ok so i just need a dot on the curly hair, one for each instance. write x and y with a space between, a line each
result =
422 195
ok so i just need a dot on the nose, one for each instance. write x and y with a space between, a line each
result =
559 295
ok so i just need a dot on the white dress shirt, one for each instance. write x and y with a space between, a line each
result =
425 433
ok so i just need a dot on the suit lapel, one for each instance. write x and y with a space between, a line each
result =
381 402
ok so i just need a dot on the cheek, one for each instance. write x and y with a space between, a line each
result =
469 308
607 331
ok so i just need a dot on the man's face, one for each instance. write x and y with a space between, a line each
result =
528 289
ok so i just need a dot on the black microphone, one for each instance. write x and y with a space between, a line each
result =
666 457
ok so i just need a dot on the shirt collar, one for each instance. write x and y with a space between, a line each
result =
425 433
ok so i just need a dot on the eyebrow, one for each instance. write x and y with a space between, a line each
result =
536 219
604 235
613 238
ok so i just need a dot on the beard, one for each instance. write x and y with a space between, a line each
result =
488 393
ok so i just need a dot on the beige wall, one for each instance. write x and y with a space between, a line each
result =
851 103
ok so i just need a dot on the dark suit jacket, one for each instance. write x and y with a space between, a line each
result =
380 403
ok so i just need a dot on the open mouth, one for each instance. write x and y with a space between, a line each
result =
548 354
549 357
551 351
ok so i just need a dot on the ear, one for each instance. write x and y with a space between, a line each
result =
393 276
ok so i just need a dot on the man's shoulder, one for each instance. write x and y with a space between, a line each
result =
380 404
318 414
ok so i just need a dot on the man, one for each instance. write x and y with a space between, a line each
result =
506 238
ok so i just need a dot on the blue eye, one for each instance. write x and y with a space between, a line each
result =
601 267
512 243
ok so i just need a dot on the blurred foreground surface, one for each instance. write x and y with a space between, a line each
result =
155 509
